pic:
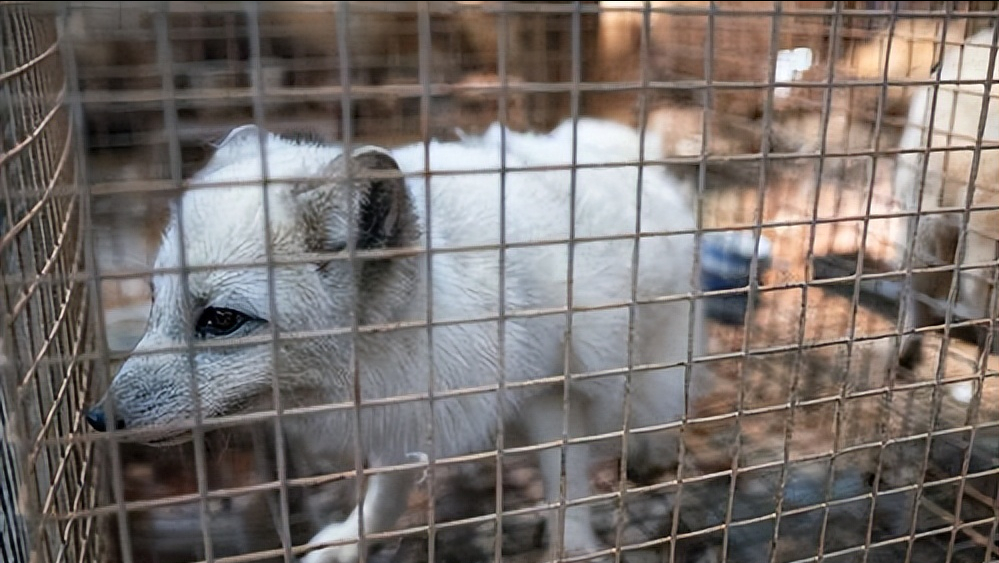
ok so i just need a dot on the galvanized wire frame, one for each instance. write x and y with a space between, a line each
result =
50 331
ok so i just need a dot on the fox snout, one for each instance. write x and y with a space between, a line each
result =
146 392
158 395
97 420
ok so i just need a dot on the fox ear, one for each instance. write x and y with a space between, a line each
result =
242 142
361 200
241 135
385 217
368 190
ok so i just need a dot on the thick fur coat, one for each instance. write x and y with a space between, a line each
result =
309 259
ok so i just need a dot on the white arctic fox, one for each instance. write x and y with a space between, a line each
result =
950 119
323 206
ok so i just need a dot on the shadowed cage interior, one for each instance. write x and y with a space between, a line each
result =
784 121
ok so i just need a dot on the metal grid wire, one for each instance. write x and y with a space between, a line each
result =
47 345
814 441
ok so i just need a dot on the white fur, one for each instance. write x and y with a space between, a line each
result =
955 123
225 225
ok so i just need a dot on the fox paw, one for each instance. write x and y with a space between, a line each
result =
347 553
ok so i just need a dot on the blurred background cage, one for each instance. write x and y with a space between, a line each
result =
787 117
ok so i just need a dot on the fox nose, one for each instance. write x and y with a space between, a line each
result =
98 421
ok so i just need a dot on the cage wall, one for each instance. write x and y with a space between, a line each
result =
845 404
47 341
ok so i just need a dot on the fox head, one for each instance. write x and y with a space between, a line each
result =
259 277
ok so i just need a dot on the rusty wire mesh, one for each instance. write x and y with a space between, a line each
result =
815 443
47 341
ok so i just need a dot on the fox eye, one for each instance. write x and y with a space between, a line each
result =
216 321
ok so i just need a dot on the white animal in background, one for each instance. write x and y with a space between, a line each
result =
227 309
955 118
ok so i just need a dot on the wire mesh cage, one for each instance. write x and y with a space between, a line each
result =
47 345
518 281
